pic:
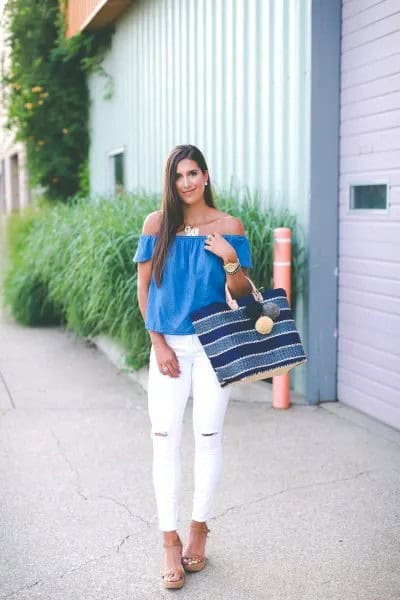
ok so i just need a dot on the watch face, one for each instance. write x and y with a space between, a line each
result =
229 267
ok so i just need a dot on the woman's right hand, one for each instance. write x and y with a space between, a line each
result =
166 360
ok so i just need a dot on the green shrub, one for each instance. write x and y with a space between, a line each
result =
24 289
72 264
29 297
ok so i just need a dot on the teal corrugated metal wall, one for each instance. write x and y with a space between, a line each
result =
230 76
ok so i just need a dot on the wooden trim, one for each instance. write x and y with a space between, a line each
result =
93 14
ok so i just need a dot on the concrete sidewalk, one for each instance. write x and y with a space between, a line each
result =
309 505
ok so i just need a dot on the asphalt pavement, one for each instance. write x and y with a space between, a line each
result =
308 507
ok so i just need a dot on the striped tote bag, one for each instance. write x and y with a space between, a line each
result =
237 350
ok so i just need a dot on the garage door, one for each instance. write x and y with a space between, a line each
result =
369 230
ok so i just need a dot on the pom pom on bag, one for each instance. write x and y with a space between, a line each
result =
261 316
237 349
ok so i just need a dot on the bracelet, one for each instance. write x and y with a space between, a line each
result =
232 268
236 270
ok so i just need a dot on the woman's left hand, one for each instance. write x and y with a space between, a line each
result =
218 245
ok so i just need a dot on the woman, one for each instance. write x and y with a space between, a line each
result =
186 253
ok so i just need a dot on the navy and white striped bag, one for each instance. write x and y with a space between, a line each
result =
237 351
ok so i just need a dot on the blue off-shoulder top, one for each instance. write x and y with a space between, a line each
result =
193 277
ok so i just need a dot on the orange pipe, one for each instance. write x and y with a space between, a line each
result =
282 279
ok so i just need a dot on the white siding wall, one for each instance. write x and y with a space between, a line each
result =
230 76
369 245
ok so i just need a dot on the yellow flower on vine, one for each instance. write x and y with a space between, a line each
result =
44 94
41 143
29 105
65 131
37 88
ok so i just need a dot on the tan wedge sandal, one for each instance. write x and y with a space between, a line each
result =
196 562
166 577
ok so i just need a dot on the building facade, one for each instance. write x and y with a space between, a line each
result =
229 77
275 93
14 182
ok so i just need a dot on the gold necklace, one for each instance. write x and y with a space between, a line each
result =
192 230
189 230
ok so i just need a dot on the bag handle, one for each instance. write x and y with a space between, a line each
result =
231 302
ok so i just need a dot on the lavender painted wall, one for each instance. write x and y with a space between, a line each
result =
369 241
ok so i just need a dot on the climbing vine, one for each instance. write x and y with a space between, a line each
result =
46 93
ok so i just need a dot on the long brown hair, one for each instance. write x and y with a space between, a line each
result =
171 205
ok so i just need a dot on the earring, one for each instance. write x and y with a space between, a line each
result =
206 183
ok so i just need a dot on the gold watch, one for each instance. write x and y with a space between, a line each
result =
232 267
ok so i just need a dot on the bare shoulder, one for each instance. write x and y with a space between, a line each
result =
231 225
152 222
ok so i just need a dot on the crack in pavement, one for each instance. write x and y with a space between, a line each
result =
289 489
40 581
134 515
87 498
71 466
122 542
3 379
21 589
79 567
72 570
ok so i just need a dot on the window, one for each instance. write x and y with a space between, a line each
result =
368 197
117 171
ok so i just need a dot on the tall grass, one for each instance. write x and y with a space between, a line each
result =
260 218
72 264
24 289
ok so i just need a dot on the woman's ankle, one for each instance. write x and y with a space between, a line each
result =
199 525
170 534
171 538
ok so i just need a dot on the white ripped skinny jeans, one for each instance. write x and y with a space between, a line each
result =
167 401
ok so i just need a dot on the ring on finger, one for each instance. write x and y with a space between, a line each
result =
165 369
